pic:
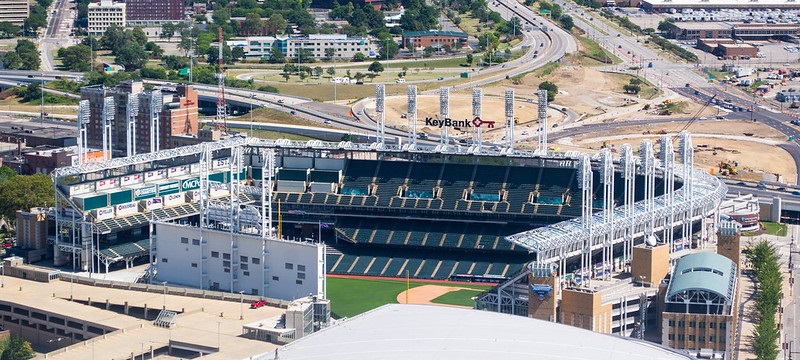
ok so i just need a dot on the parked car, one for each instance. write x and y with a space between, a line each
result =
257 304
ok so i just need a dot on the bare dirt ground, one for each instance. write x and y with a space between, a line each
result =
425 293
756 154
493 109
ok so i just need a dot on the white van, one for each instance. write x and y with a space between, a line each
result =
400 81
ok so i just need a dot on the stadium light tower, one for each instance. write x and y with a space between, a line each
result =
380 106
648 162
628 164
668 163
509 99
477 104
444 111
156 103
131 112
109 108
84 115
542 117
687 158
412 116
607 178
585 183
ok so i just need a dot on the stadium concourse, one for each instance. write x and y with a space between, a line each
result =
436 332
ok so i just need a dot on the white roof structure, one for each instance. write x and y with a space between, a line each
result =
398 331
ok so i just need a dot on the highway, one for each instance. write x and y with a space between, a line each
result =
54 34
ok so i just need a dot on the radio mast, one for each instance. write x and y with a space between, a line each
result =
222 118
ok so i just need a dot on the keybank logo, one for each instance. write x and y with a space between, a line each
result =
447 123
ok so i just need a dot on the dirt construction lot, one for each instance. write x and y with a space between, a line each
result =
493 109
750 145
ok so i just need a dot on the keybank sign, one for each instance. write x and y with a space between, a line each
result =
476 122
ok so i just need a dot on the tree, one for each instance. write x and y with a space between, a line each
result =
304 55
330 71
631 89
566 22
289 68
8 29
23 193
12 61
388 45
155 50
375 68
155 73
664 24
359 57
303 76
286 76
276 56
359 76
131 56
237 53
6 173
330 53
167 31
318 71
427 52
75 58
16 348
27 54
174 62
253 25
212 55
551 88
35 21
470 59
276 24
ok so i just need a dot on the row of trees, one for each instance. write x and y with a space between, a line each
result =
24 192
764 259
24 57
16 348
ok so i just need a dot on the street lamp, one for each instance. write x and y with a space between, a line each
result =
251 114
165 294
41 89
241 305
641 280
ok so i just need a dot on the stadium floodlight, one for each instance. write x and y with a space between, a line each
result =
380 97
109 108
444 101
477 101
84 112
131 112
412 116
509 98
542 114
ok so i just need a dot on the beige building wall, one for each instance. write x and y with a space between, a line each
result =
650 264
582 308
104 14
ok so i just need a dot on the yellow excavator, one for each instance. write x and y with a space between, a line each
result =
726 168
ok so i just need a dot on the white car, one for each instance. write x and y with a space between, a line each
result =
400 81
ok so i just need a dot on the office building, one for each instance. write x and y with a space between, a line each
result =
104 14
14 11
345 47
436 38
701 304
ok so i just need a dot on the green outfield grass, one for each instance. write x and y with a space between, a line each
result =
774 228
460 297
350 297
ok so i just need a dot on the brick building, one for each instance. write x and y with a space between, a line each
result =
423 39
178 115
151 12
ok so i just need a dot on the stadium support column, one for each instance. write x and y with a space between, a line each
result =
477 104
444 111
412 116
205 165
84 115
380 126
131 111
607 164
86 245
585 183
648 161
156 103
267 175
687 159
108 117
629 174
235 228
668 164
542 117
509 100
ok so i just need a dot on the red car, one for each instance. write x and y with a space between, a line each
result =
257 304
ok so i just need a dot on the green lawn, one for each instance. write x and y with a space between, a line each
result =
350 297
594 51
774 228
459 297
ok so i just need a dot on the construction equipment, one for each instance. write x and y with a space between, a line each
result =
726 168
